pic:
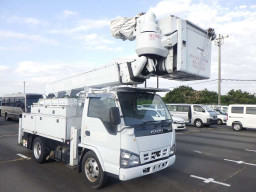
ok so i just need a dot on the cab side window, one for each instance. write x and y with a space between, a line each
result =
99 108
198 108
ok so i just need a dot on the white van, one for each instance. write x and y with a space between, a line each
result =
196 114
241 116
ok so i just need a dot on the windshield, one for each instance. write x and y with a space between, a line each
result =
31 100
224 109
208 108
134 114
222 112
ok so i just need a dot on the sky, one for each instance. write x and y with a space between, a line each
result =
44 41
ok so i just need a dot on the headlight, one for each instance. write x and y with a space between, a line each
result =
173 149
128 159
125 155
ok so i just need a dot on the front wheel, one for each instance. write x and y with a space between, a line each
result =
92 171
237 127
219 122
198 123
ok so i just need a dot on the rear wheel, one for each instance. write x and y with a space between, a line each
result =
237 126
219 122
39 150
92 171
198 123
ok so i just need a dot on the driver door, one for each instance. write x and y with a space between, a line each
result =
96 130
198 113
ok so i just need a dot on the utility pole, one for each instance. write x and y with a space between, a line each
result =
24 83
219 41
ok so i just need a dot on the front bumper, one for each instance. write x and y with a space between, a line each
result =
139 171
179 126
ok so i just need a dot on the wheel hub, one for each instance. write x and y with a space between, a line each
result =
237 127
37 150
91 169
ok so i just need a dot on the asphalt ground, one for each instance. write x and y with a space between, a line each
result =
204 156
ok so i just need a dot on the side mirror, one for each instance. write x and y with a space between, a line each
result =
203 111
114 116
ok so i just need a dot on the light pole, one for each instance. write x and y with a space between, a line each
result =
219 41
24 83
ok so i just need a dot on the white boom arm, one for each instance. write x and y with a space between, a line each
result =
170 48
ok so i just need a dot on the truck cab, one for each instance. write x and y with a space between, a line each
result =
140 144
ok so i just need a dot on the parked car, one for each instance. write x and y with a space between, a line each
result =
241 116
178 123
221 117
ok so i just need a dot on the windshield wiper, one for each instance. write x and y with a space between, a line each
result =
164 121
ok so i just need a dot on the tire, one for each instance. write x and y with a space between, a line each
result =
92 171
237 126
198 123
219 122
39 152
6 117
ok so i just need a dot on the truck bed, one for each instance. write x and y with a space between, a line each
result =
52 121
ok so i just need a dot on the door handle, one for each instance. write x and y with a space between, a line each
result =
87 133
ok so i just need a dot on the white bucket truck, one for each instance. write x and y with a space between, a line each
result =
103 132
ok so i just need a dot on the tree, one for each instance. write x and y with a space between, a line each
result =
182 94
238 97
207 97
185 94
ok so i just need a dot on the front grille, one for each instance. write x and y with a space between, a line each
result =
154 155
179 122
